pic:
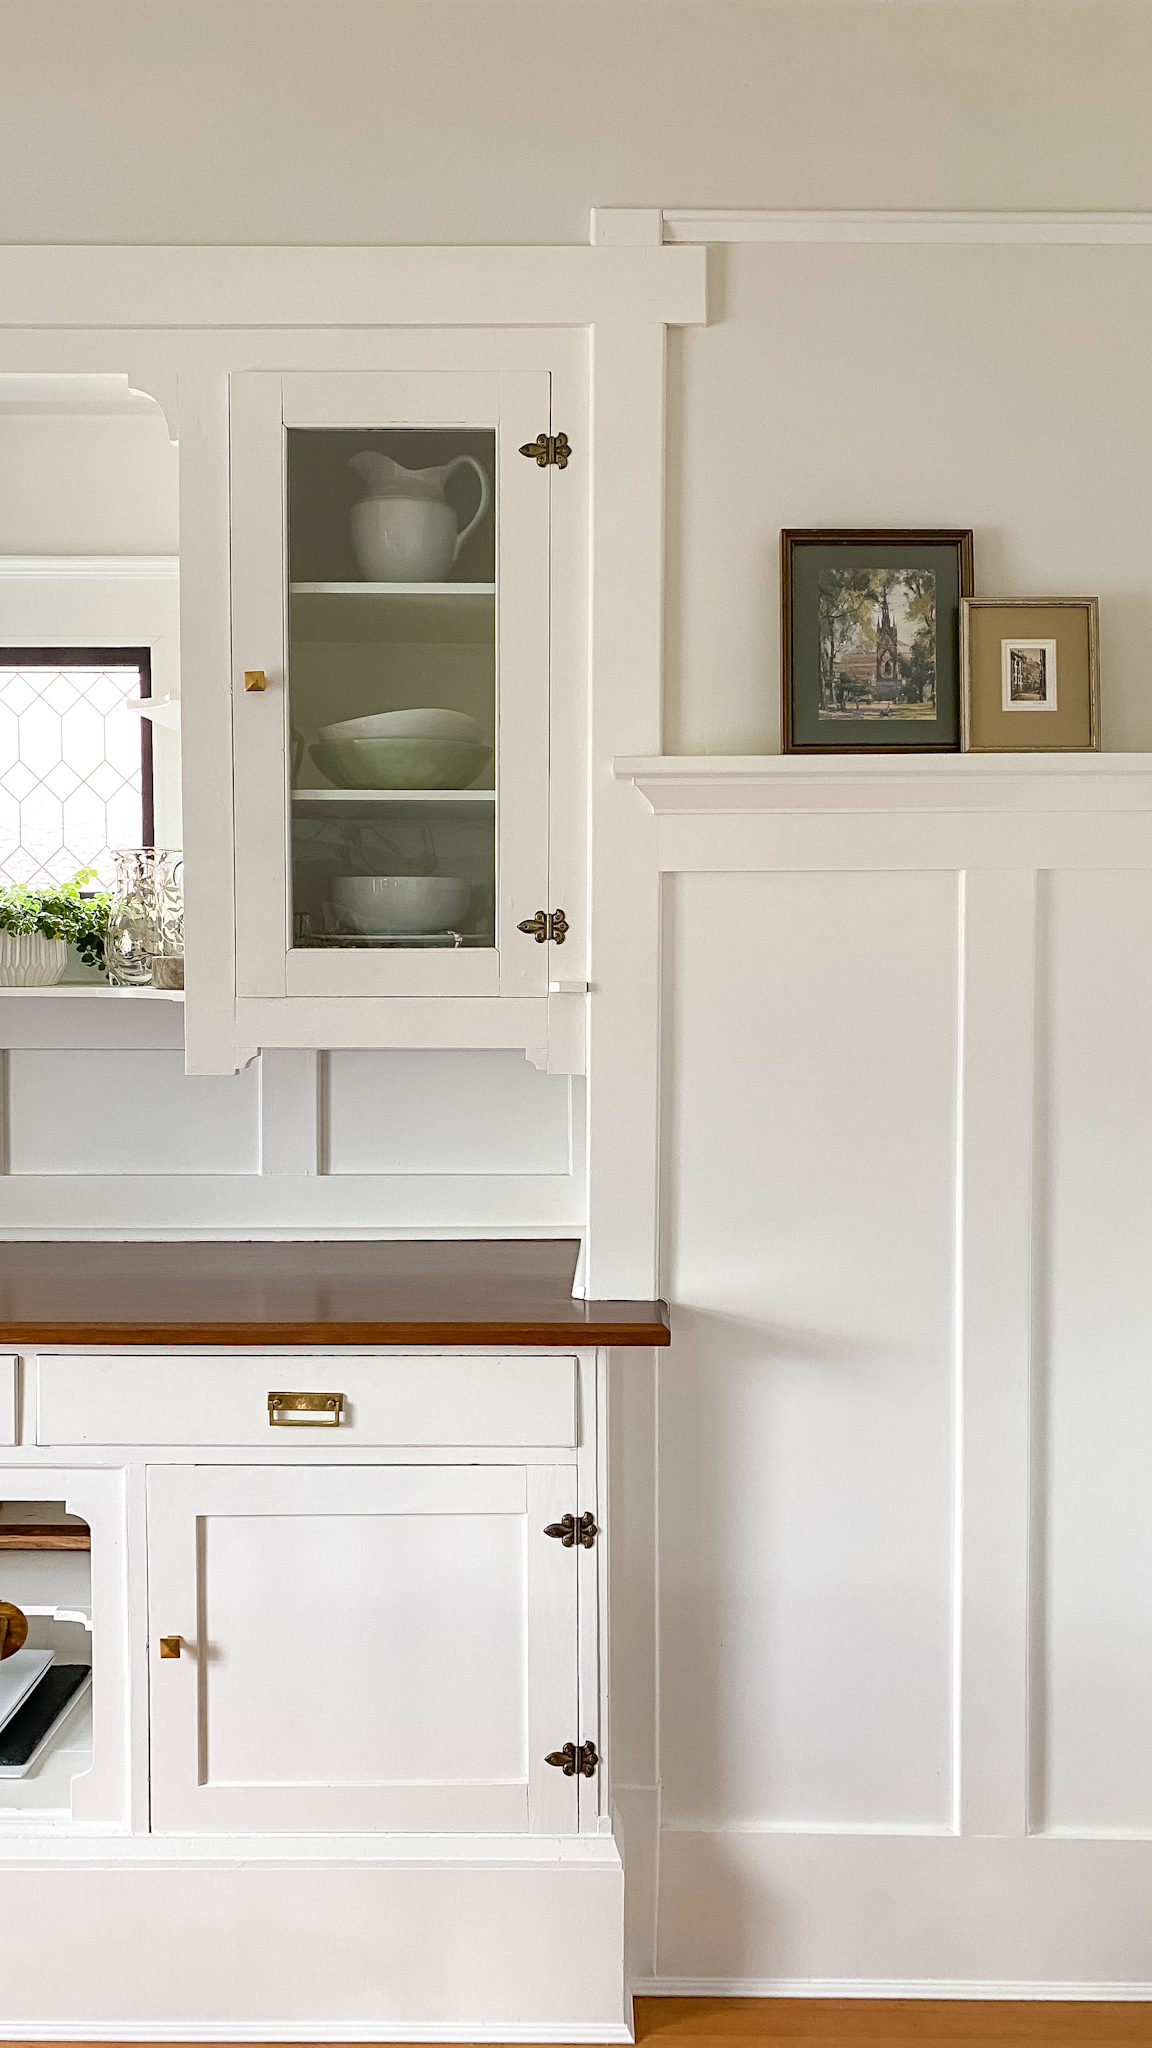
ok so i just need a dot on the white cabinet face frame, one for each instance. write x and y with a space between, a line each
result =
265 406
101 1795
362 1649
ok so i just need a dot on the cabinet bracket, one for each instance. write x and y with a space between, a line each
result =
547 449
574 1759
570 1531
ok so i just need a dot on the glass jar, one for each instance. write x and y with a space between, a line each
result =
146 920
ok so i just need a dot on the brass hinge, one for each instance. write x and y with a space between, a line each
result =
570 1531
548 448
575 1758
546 925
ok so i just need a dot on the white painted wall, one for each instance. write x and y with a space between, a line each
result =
993 388
78 482
810 1729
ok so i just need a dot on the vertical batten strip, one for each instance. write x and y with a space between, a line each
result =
999 952
290 1112
627 626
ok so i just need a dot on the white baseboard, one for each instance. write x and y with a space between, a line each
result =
318 2030
879 1987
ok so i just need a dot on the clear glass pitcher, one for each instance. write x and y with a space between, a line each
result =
146 920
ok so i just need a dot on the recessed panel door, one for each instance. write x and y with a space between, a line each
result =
384 1648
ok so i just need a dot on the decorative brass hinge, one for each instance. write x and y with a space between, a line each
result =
570 1531
575 1758
548 448
546 925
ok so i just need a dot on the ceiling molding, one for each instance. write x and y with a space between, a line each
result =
1044 230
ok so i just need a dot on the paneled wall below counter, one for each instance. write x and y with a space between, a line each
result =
105 1135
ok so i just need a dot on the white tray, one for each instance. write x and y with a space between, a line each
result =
19 1675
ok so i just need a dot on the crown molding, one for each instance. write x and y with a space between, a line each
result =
1045 230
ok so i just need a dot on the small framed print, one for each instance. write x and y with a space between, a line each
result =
871 639
1029 672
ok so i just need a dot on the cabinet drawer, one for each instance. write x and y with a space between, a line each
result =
516 1400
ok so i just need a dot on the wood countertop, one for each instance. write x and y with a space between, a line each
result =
509 1291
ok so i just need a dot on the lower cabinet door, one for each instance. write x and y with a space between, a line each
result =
361 1648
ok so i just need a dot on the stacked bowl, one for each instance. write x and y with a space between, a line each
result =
419 749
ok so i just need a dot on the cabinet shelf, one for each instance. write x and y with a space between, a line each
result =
394 590
458 613
352 804
44 1536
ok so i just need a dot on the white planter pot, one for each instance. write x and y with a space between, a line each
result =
29 960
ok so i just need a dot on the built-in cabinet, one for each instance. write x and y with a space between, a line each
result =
365 1597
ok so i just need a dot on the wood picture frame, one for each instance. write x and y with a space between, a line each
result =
1030 675
870 638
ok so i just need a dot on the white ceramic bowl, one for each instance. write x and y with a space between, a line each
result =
401 903
406 725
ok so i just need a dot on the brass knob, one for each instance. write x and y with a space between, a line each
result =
170 1646
255 679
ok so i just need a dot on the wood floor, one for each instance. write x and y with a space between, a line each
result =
886 2023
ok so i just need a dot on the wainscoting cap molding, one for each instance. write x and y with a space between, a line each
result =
681 784
90 568
754 224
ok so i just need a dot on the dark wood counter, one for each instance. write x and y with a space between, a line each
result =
511 1291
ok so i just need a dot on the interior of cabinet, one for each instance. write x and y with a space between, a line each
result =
421 807
45 1687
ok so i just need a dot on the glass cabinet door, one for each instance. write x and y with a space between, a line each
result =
390 584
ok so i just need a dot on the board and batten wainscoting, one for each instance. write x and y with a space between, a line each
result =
105 1135
898 1737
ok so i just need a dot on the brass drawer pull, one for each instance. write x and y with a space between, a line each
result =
323 1411
170 1646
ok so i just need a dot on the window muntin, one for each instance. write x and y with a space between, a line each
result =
75 763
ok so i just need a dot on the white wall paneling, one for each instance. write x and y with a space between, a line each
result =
127 1113
902 1535
436 1112
1092 1672
105 1134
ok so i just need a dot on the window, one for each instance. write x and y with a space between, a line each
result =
75 762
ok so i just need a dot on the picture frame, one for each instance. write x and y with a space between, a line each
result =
1030 675
870 638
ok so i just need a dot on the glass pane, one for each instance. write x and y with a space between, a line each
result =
71 777
392 686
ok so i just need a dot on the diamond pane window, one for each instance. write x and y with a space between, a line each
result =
75 762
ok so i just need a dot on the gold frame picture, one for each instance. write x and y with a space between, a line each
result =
1029 675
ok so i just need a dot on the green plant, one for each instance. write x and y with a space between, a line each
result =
60 912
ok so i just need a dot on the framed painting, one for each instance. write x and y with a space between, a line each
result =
1030 675
871 639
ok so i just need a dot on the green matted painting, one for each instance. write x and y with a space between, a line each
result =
871 639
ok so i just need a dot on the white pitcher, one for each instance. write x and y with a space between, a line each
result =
403 529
